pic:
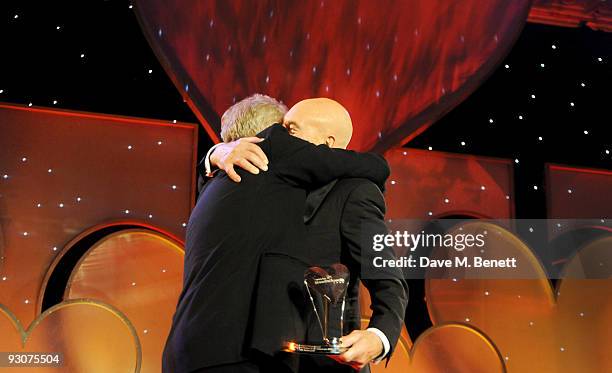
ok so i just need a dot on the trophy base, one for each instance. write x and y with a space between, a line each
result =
300 348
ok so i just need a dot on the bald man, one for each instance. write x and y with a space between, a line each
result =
322 120
216 327
336 218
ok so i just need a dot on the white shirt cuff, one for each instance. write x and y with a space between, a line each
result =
385 342
207 167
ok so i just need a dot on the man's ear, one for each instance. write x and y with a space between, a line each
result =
330 141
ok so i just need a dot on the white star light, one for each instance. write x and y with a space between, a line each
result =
569 191
127 211
553 46
542 65
535 187
490 120
462 143
507 66
82 55
174 187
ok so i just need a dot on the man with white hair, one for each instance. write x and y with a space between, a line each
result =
233 224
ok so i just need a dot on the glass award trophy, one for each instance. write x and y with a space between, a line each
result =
326 289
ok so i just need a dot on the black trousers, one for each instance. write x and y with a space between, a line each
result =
259 363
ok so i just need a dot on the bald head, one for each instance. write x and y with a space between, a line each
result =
320 121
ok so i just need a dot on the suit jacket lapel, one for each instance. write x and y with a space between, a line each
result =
314 200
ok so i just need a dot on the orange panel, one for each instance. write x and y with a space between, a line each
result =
427 184
535 327
140 273
69 171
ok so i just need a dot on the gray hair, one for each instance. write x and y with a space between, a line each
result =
250 116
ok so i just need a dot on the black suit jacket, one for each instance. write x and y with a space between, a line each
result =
340 218
230 227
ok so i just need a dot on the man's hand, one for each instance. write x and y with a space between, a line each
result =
364 346
242 153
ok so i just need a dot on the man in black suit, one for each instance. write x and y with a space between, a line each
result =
232 225
337 217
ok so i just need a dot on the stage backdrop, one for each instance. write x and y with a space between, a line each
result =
396 65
